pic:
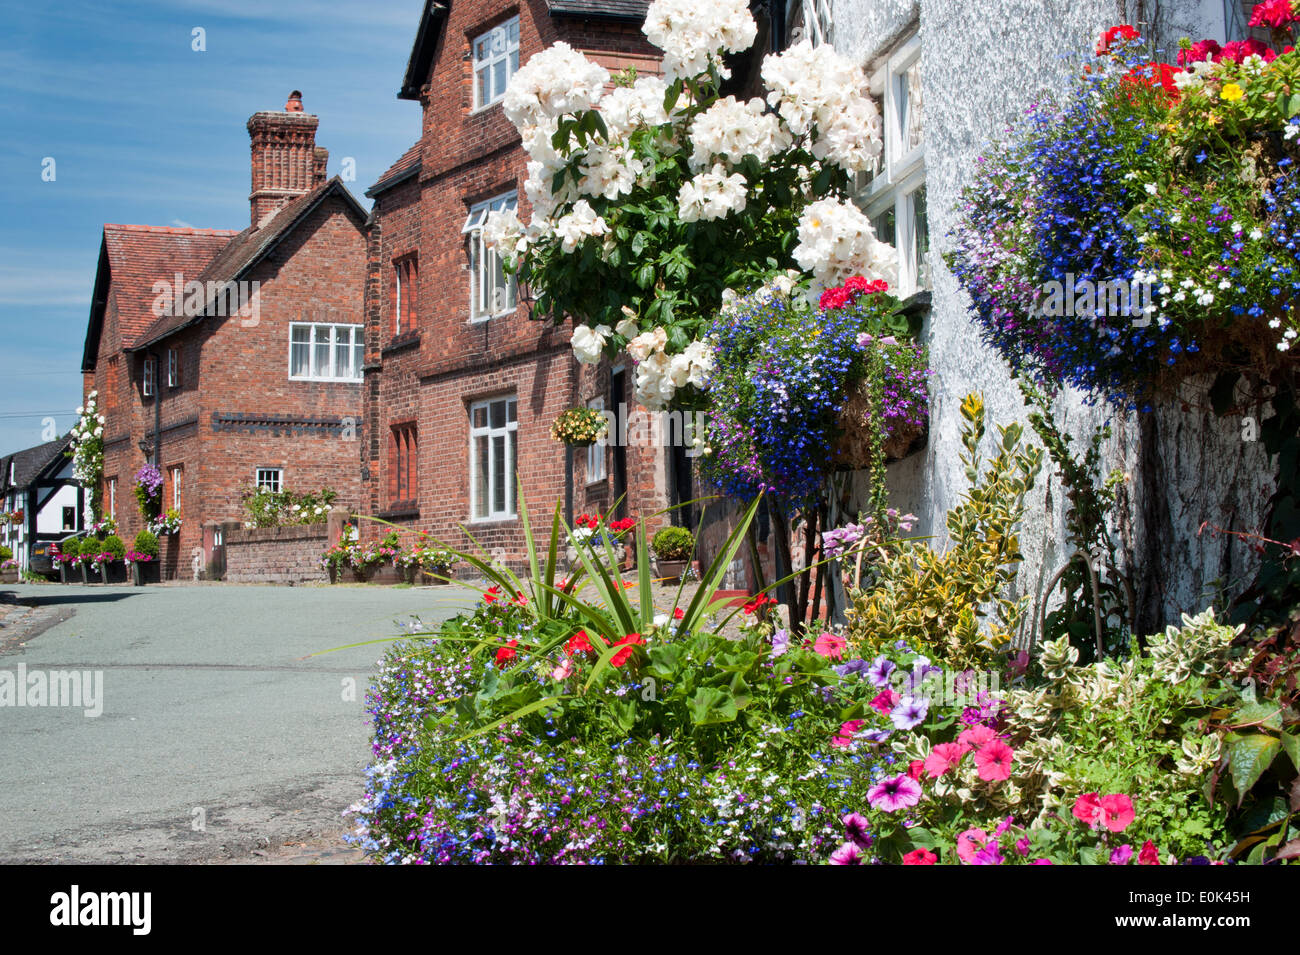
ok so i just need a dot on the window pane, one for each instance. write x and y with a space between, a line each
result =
510 474
498 411
321 336
884 226
911 108
498 473
498 78
511 406
484 93
921 233
358 356
482 469
480 416
300 359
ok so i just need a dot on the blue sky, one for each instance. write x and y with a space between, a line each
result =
144 129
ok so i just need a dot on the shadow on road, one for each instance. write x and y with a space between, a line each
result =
50 600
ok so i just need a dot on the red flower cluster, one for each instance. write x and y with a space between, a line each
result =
626 524
1275 14
587 520
629 642
579 643
757 604
1205 50
1238 50
506 654
1157 76
920 857
848 293
1116 36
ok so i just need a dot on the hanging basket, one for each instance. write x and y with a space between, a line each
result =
852 450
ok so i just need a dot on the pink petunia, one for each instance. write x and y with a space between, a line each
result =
846 854
845 736
969 843
977 736
920 857
993 761
944 758
1149 855
830 645
1087 809
1117 812
885 701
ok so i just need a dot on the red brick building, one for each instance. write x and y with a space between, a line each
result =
461 387
232 360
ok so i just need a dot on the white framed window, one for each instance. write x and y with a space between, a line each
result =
491 291
493 450
893 194
811 20
173 367
176 473
596 450
319 352
112 497
150 380
272 479
496 59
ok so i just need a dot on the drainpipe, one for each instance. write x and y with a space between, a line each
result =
157 410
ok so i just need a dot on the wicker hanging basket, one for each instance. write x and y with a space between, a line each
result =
852 451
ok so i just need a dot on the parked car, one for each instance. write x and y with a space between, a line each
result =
39 561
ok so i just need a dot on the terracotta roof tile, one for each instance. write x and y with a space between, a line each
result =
408 161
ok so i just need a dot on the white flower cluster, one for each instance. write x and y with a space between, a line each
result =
578 224
658 374
692 33
589 343
732 130
711 195
625 108
556 81
818 91
87 442
836 241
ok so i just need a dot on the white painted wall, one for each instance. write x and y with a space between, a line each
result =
982 63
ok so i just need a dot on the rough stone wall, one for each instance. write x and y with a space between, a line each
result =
982 62
275 555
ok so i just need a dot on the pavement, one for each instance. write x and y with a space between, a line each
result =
224 734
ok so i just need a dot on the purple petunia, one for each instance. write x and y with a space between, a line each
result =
846 854
780 642
908 712
880 670
853 668
895 793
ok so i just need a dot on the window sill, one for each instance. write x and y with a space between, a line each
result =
401 511
329 381
401 343
480 110
495 519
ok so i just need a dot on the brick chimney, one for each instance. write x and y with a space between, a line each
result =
286 161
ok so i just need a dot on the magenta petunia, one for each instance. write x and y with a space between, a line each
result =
993 761
895 793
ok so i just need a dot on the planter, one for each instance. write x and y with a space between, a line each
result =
671 570
89 575
67 574
333 571
385 573
115 572
852 451
8 576
145 572
359 574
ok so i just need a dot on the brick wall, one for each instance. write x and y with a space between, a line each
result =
431 375
275 555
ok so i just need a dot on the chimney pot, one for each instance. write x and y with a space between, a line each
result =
294 105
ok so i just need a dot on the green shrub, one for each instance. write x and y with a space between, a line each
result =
112 544
146 542
673 543
5 552
70 547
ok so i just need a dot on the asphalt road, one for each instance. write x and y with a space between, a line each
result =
220 736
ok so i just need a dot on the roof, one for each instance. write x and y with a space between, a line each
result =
405 167
603 9
434 16
31 463
244 251
133 258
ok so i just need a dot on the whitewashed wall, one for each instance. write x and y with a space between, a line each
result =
982 62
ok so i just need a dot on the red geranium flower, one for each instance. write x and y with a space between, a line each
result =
1205 50
1114 37
506 653
1149 855
1275 14
678 613
920 857
628 642
520 600
1157 76
1238 50
579 643
758 603
491 594
859 285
